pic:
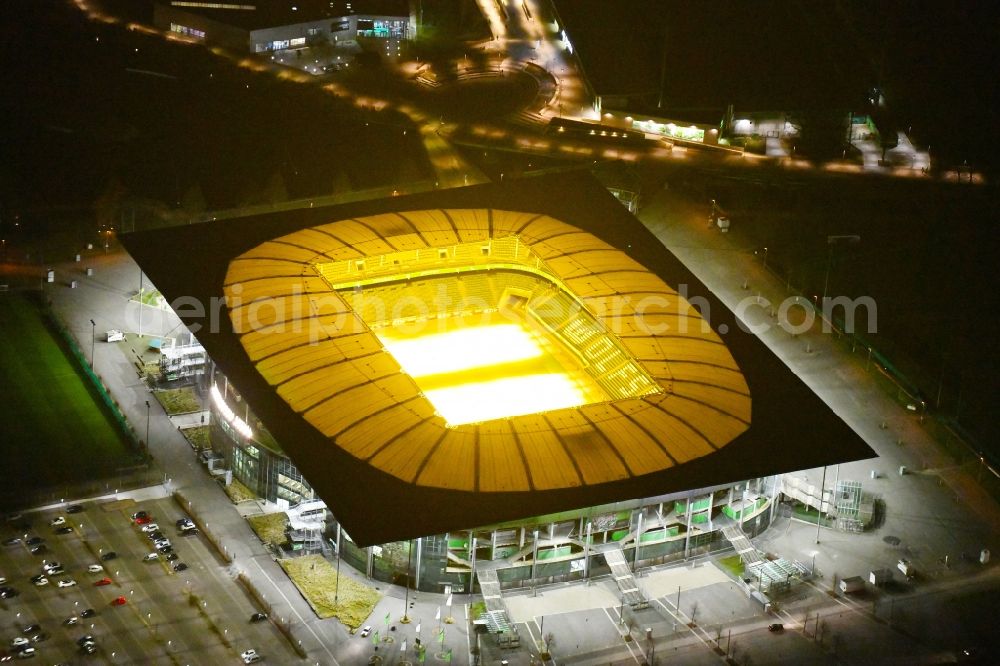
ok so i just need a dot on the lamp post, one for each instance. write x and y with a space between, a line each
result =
336 588
93 337
406 597
147 425
822 497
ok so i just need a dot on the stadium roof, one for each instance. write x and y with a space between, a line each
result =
373 447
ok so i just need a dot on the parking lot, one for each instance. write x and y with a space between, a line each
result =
143 611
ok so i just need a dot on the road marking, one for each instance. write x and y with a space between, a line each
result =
616 623
704 636
296 612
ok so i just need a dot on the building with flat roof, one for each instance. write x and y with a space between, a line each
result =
525 357
257 26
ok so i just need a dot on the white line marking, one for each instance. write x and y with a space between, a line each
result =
292 606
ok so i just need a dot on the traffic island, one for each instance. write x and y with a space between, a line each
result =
328 594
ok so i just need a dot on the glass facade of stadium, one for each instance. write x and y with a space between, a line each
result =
552 548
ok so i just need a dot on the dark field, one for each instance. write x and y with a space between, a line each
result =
54 431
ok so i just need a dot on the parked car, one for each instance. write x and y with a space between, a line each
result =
88 612
258 617
144 520
149 557
139 514
118 601
74 508
180 566
776 626
41 581
64 530
71 620
367 630
17 641
250 656
8 592
110 555
40 549
35 540
150 527
171 557
83 640
66 582
13 541
103 581
95 568
39 637
49 567
30 628
57 521
26 652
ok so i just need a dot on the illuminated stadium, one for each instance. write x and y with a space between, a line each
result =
526 358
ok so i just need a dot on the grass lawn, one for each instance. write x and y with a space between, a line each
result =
239 493
270 527
48 410
149 297
731 564
317 580
197 436
178 401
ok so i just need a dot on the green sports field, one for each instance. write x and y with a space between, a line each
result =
54 432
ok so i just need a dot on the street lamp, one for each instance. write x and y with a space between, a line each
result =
147 425
93 337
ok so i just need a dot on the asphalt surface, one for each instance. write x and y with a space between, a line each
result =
160 621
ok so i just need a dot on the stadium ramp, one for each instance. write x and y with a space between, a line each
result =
620 571
497 619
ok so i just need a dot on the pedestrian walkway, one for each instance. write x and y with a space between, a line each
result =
623 577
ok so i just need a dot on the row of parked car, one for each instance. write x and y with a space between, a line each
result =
24 645
163 548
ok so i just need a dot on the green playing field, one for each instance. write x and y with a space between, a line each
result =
53 429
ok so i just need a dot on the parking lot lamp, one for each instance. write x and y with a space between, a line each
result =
147 425
93 337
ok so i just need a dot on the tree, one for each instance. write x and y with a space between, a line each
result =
821 132
193 201
107 206
275 190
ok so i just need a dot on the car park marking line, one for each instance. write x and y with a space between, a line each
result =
296 612
615 622
790 621
703 636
